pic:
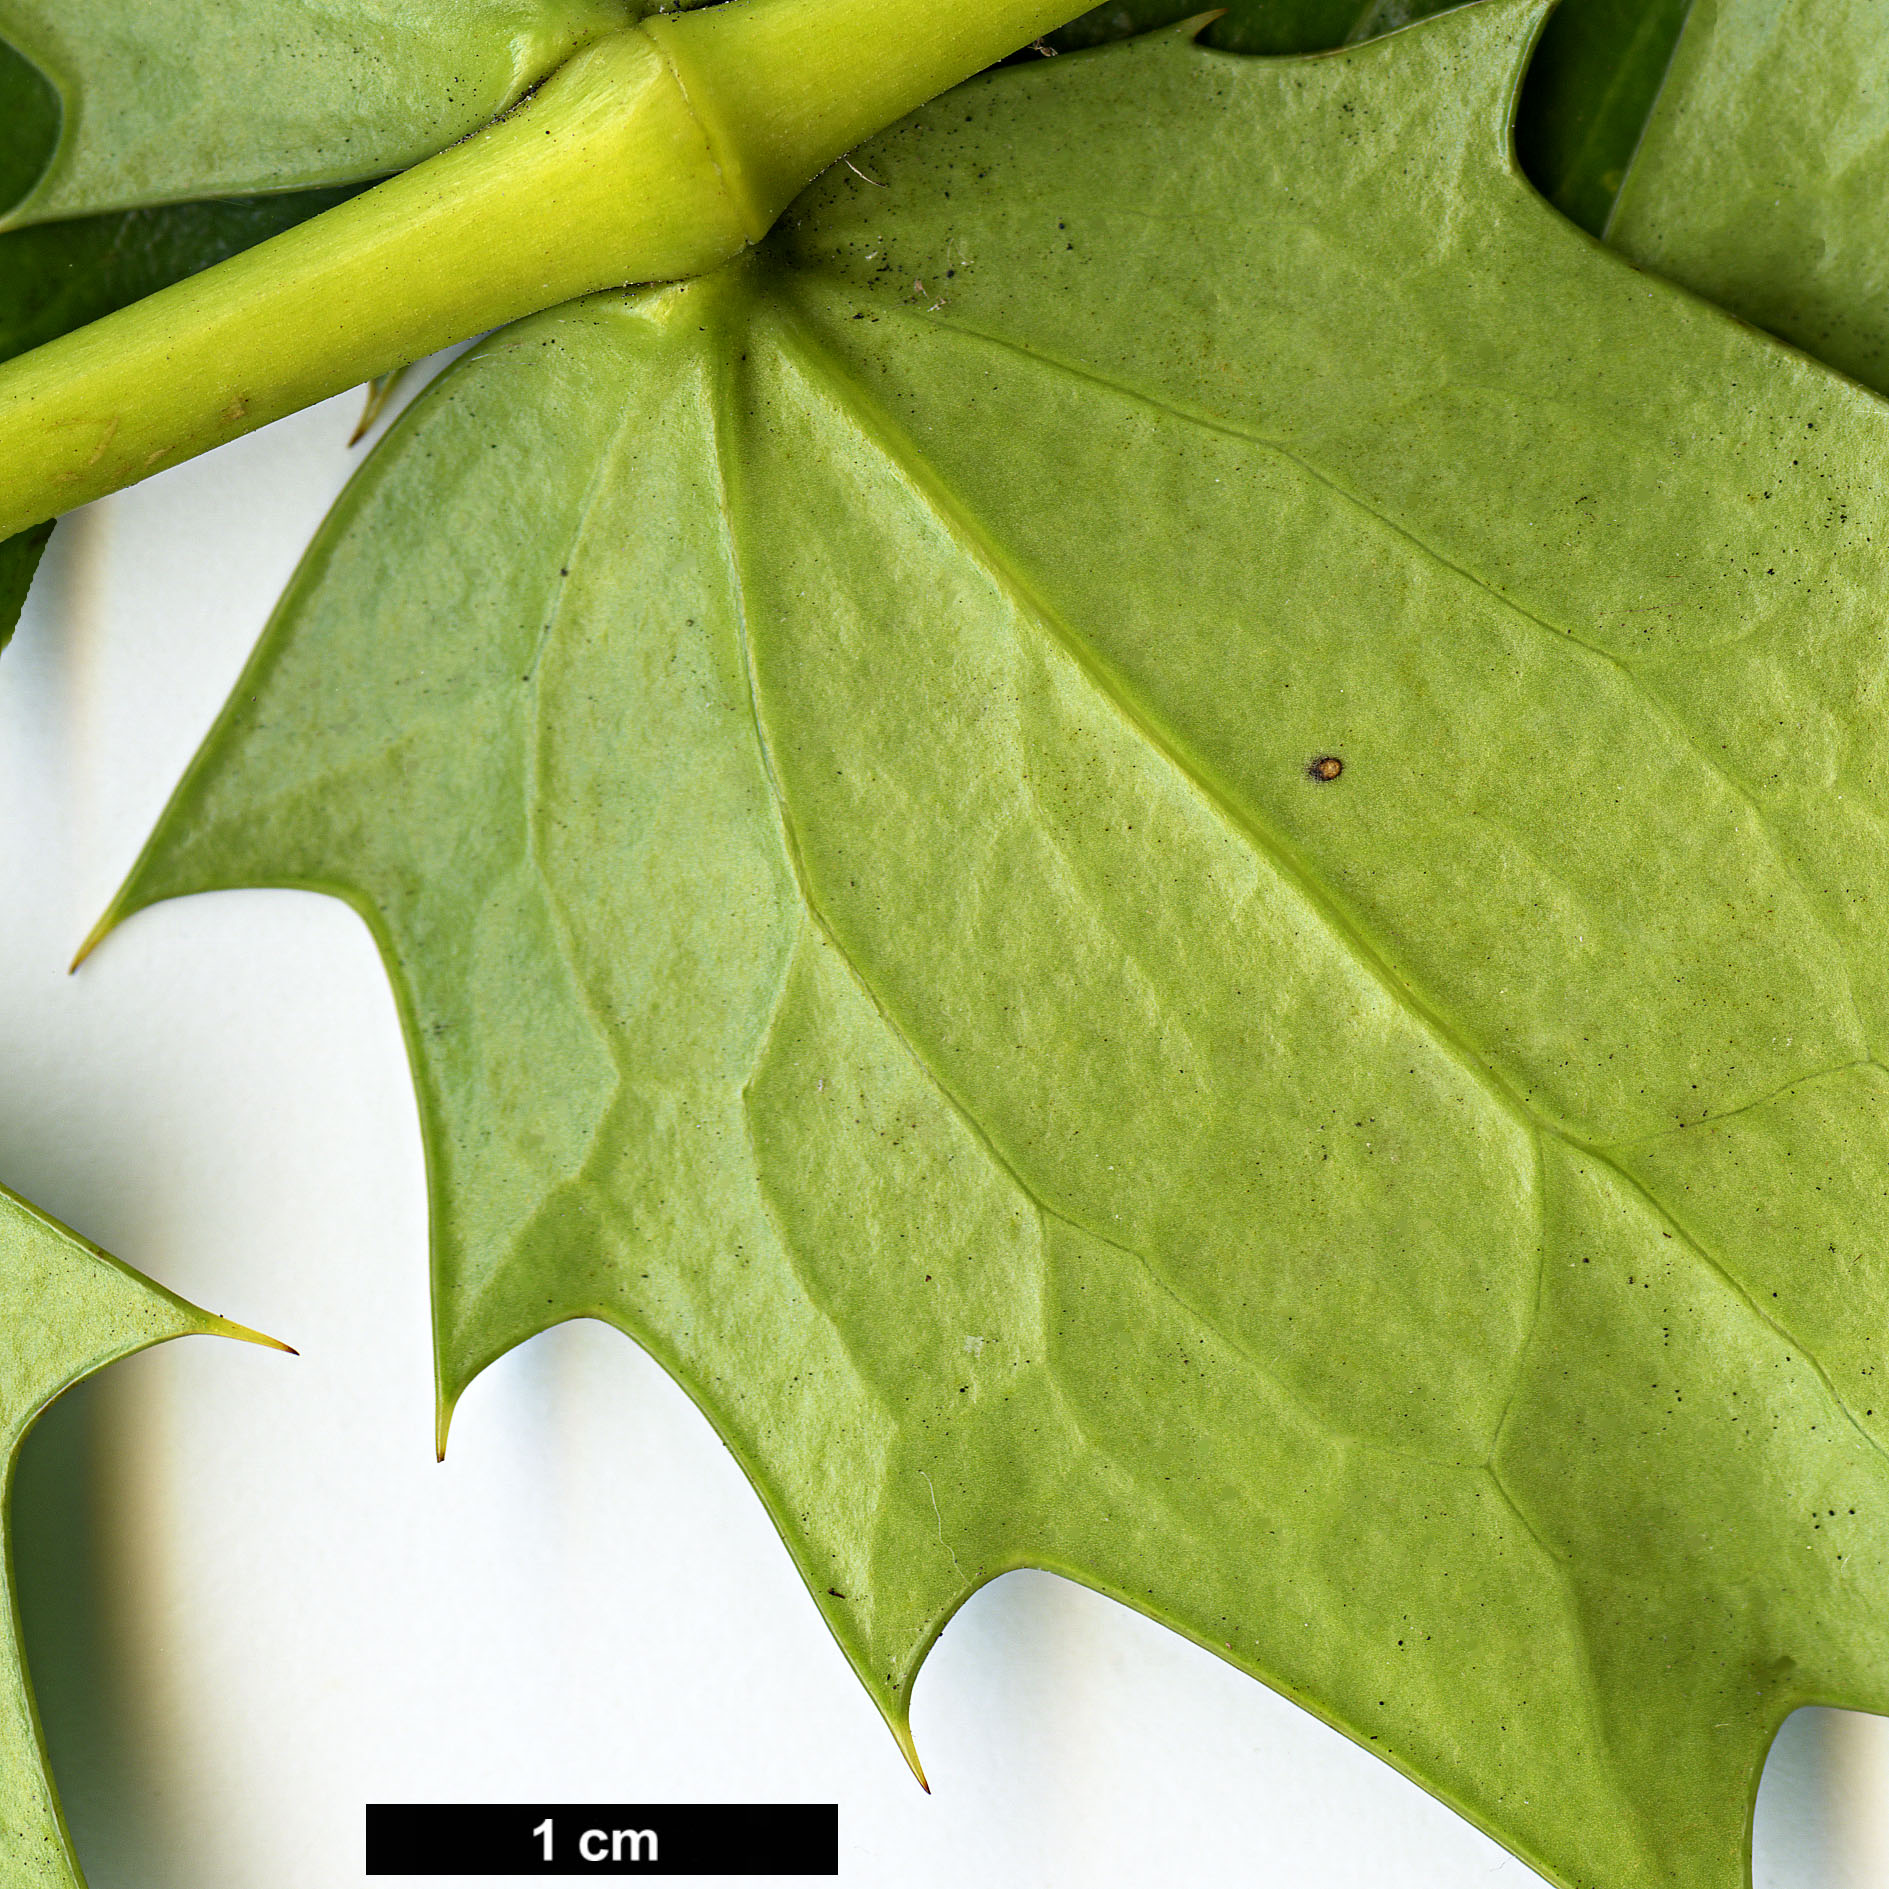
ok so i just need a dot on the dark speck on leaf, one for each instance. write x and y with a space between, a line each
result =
835 1592
1326 768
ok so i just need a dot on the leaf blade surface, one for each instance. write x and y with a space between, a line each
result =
72 1310
834 789
1761 177
163 104
56 277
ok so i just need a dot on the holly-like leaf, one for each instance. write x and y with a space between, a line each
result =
104 106
19 559
1764 169
30 117
70 1310
129 138
1595 81
1592 84
57 277
137 120
1256 26
1160 850
163 101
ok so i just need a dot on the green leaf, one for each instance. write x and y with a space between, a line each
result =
19 559
72 1311
828 753
1762 176
1594 82
59 276
1591 85
30 117
164 101
1259 26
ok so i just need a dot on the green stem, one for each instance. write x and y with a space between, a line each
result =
656 153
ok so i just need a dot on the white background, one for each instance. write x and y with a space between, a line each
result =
255 1601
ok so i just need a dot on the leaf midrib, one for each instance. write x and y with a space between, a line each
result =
1305 874
795 334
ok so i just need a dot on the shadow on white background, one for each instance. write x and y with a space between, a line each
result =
255 1604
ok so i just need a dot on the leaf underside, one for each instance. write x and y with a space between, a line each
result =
71 1311
105 134
186 119
1594 78
828 754
58 276
1761 179
1598 74
160 105
19 559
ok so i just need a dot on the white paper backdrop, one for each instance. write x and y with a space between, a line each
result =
256 1603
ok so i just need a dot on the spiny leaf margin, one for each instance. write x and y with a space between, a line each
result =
624 1076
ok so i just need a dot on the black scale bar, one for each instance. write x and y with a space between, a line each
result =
603 1839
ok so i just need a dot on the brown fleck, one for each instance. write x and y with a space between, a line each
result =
1326 768
111 433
